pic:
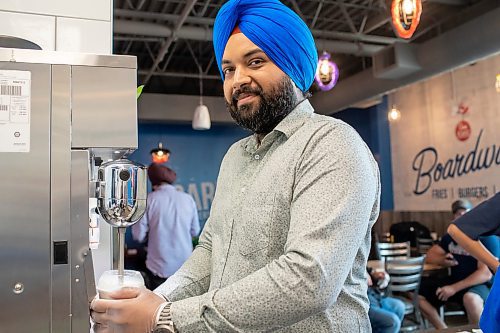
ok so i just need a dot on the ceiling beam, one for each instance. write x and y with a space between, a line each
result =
467 43
316 14
160 16
376 21
179 74
210 22
298 10
205 34
347 17
164 48
451 2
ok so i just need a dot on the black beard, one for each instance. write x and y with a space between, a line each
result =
271 110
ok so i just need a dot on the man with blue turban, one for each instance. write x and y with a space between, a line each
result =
286 244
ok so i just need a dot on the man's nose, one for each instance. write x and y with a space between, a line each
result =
241 78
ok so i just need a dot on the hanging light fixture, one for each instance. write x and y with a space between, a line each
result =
406 16
160 155
327 73
201 117
394 114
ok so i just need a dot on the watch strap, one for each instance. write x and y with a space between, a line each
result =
164 323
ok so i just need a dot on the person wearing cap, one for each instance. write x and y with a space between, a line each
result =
170 222
469 231
484 220
460 207
286 244
469 281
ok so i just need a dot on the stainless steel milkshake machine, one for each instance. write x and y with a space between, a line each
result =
66 123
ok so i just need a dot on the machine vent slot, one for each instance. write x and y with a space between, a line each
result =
60 252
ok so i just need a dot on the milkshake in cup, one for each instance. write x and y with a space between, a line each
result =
111 281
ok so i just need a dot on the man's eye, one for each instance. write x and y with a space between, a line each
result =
227 70
256 62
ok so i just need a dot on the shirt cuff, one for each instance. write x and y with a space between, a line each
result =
161 295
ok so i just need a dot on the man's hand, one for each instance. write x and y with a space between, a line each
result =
379 275
131 310
445 292
449 260
369 280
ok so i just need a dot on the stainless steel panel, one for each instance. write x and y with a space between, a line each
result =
25 217
60 157
104 104
66 58
80 279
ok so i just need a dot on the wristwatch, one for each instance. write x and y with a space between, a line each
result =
164 324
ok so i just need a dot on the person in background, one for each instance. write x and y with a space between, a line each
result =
468 283
285 247
170 222
386 313
484 220
466 231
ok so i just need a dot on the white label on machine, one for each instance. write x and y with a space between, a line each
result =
15 111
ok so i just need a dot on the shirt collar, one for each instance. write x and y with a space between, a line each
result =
165 186
287 126
295 119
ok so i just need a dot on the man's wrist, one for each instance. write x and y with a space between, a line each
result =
163 322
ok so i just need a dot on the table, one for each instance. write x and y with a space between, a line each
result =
466 328
380 264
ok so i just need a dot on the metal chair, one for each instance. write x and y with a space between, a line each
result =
451 309
423 245
404 284
394 251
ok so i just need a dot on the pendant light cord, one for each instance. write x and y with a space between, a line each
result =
200 71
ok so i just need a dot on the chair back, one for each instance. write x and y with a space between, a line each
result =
424 244
404 284
405 274
394 251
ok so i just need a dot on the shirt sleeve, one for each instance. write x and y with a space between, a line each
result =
193 278
337 192
195 224
483 220
492 244
141 228
444 243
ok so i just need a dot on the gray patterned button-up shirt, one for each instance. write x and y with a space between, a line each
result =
286 244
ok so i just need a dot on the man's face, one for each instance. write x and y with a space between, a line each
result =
258 94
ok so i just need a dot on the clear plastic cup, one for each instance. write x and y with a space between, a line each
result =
111 281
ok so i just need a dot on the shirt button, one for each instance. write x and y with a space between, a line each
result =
243 189
257 156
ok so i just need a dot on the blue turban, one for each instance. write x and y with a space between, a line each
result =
276 30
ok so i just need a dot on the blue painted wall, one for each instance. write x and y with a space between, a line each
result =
195 156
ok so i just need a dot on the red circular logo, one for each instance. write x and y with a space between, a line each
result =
463 130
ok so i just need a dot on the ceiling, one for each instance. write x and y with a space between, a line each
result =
172 38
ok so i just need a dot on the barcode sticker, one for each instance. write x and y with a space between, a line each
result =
10 90
15 111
